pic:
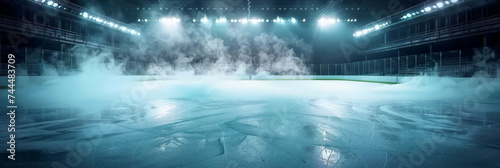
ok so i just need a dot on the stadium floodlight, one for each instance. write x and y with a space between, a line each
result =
145 20
293 20
303 20
50 3
133 32
439 4
447 2
427 9
194 20
274 20
170 21
267 20
55 5
223 20
85 15
454 1
254 21
327 21
408 15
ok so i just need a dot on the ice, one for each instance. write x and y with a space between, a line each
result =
271 123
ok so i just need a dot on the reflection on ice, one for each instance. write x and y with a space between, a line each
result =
265 124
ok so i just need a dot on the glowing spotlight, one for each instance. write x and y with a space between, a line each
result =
170 21
204 20
146 20
55 5
85 15
439 4
408 15
427 9
303 20
358 33
223 20
267 20
447 2
254 21
453 1
244 21
50 3
293 20
194 20
377 27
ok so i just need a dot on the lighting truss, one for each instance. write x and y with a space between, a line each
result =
223 20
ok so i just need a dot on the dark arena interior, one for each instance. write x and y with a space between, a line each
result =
250 83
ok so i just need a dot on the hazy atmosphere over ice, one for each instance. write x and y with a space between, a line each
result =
240 84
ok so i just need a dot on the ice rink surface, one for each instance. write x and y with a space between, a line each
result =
279 123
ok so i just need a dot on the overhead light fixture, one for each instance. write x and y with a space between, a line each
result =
439 4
